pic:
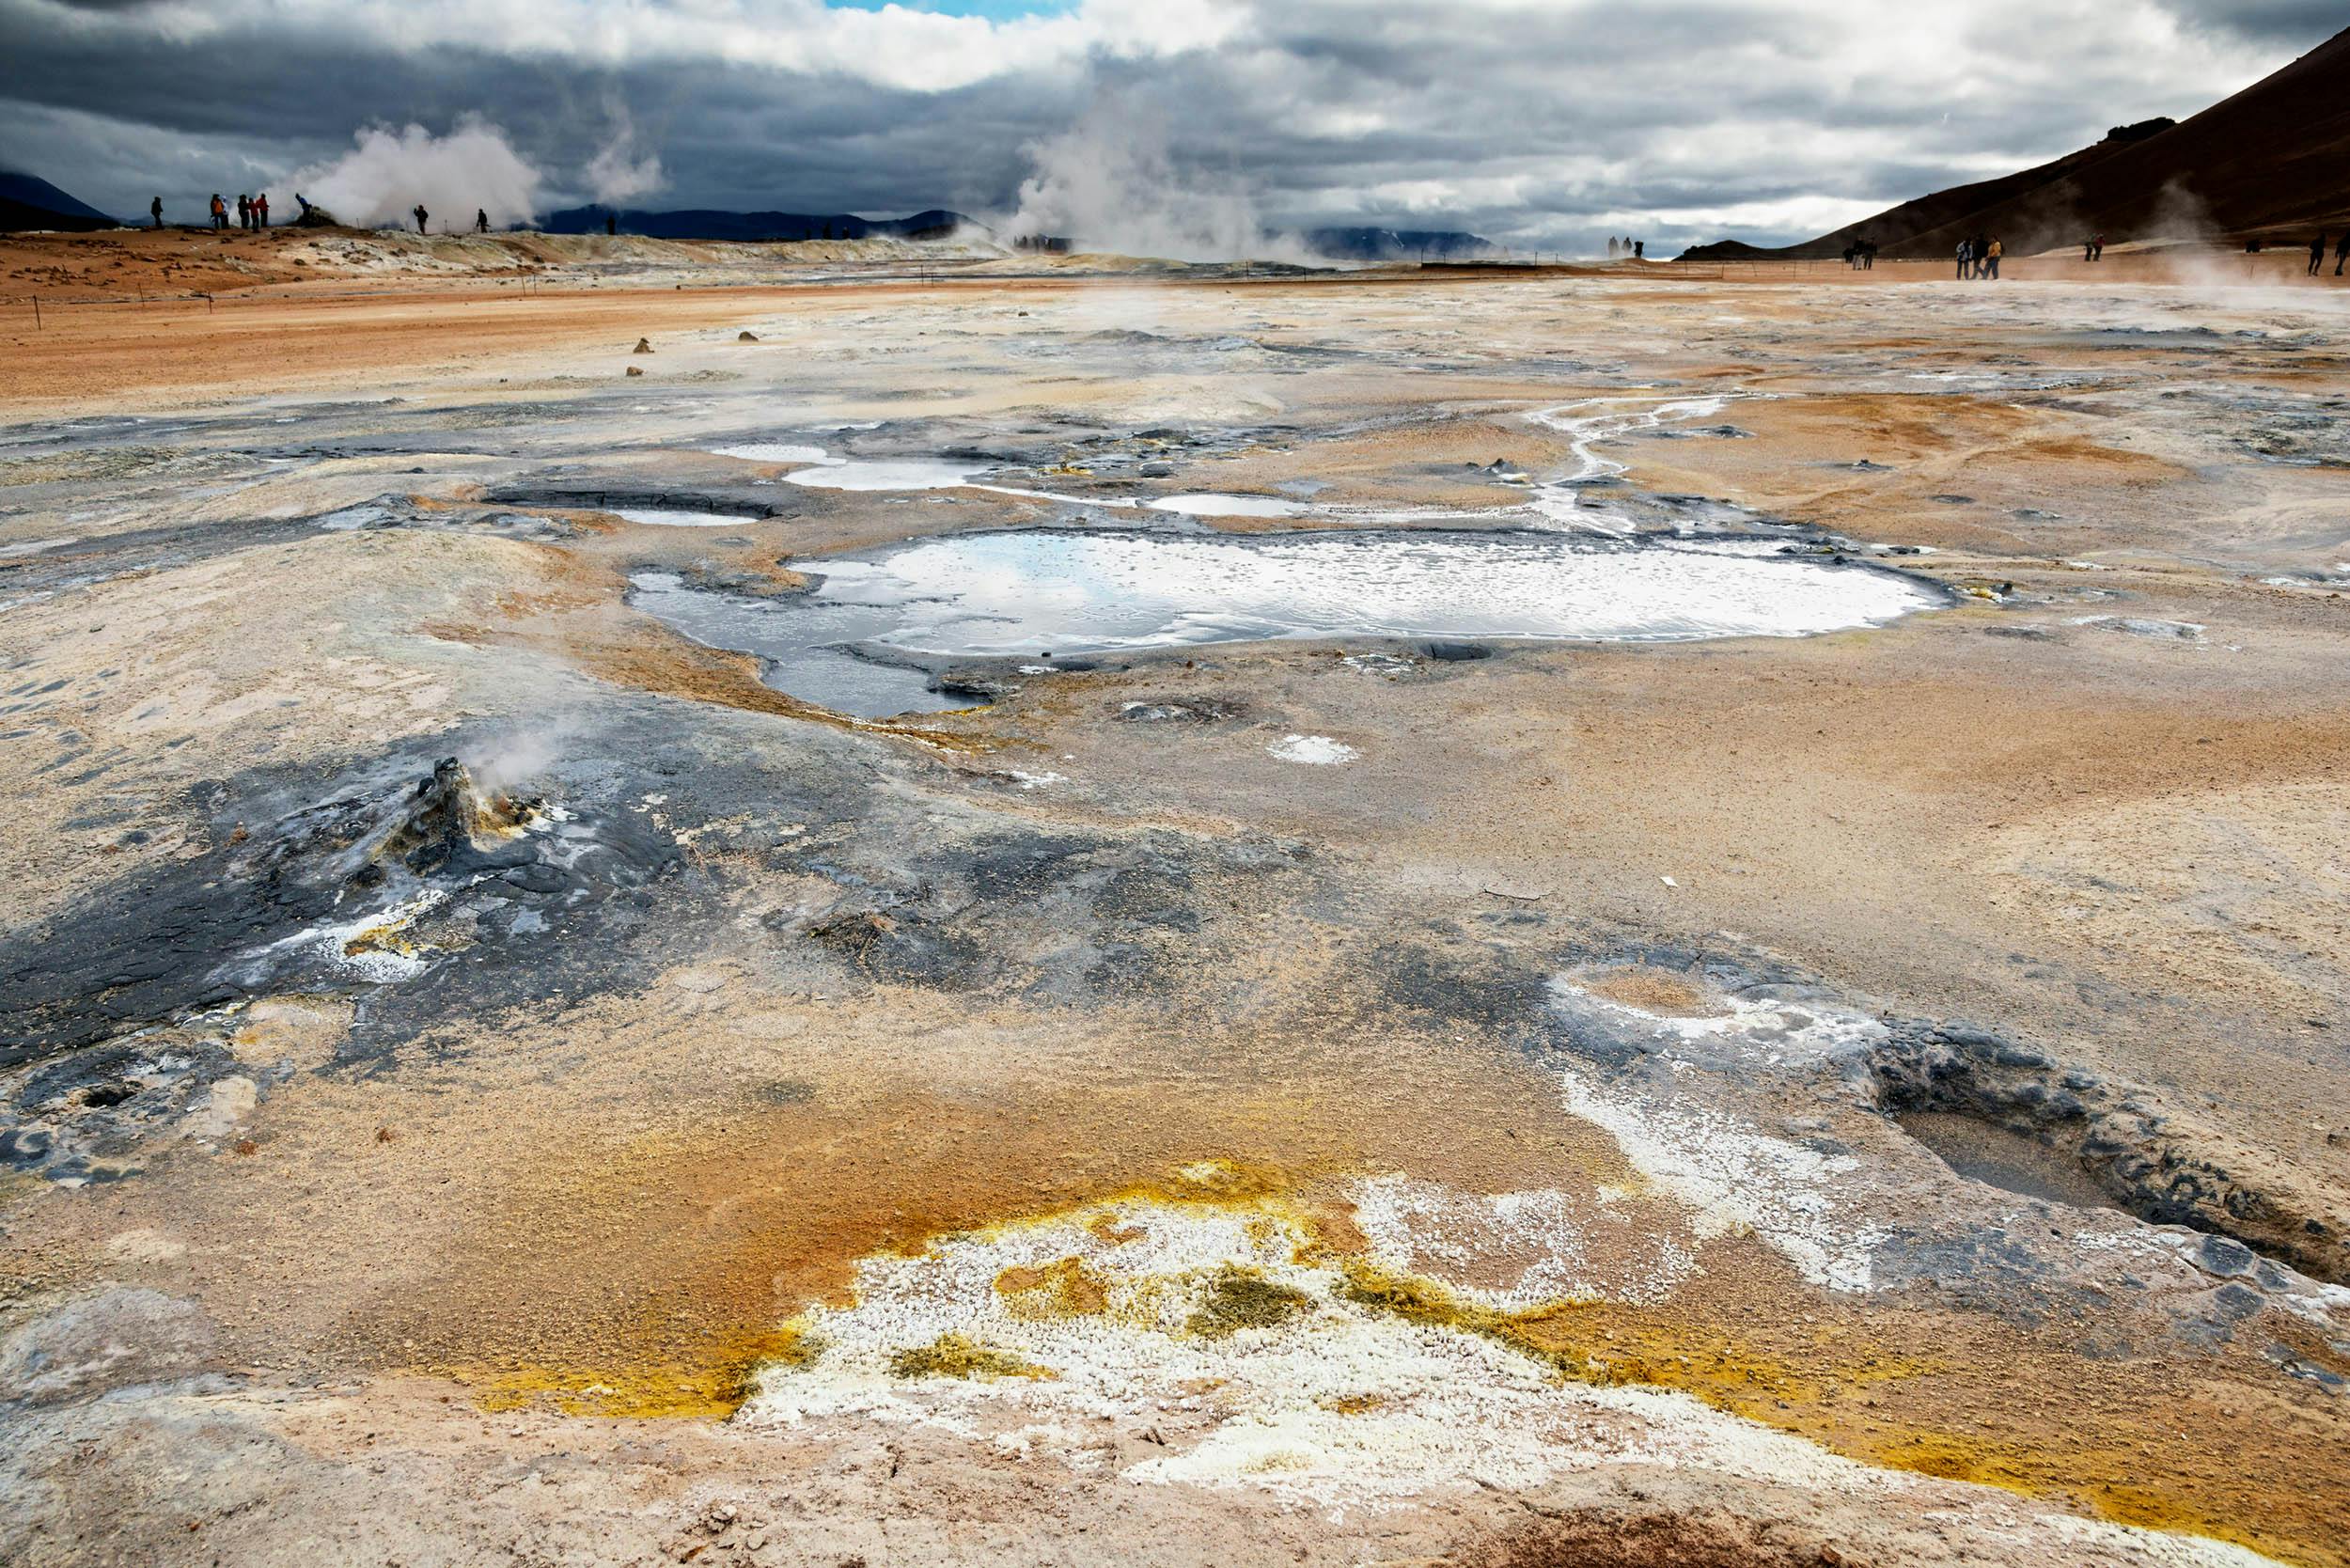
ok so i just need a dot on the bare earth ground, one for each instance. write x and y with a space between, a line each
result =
1871 1098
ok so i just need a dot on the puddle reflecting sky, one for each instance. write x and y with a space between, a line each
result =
1045 591
1035 592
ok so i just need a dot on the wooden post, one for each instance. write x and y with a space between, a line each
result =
36 312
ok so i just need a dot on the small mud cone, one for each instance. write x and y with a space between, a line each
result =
636 370
746 336
643 345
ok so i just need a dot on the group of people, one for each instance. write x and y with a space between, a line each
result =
252 212
2093 248
1979 256
480 218
2317 253
1636 249
1861 256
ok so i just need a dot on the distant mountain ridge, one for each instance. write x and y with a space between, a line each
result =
1361 244
1398 244
716 223
27 201
2272 160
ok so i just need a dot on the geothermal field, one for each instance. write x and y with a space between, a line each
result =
782 905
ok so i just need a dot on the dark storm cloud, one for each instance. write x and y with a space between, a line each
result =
1540 125
2300 24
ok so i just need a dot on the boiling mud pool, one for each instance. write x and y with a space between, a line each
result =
1050 593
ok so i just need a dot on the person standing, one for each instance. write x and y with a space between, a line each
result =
481 220
220 211
1991 259
2341 252
421 215
1965 259
261 211
244 210
155 211
2317 254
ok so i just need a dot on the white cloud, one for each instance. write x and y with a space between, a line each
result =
1543 123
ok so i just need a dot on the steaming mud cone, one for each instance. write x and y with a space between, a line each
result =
447 819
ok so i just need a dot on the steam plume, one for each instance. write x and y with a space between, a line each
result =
1110 183
617 173
389 172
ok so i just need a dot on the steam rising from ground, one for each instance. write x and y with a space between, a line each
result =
619 172
389 172
1110 183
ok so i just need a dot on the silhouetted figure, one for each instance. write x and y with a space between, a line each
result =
2341 252
304 202
261 211
2088 250
1639 250
155 211
612 223
481 220
2317 254
2252 247
244 210
2097 248
421 215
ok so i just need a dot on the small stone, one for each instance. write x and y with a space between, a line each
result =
643 345
746 336
634 371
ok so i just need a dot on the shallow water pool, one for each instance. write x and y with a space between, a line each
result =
1045 591
848 642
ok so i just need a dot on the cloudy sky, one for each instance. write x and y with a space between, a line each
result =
1540 123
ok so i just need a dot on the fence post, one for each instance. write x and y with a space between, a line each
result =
36 312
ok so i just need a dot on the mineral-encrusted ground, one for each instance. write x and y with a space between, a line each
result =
485 1076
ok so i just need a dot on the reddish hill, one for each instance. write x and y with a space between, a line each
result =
2273 160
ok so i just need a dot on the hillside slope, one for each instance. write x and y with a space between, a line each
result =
2273 160
28 202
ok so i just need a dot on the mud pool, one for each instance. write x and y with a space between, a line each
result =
859 639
